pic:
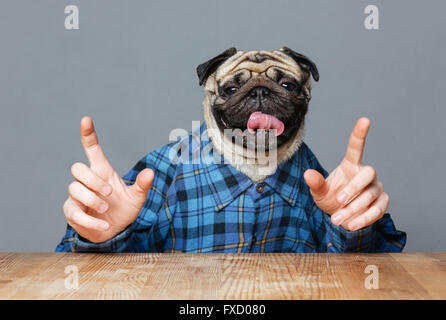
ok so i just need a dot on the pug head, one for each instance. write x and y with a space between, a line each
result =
258 93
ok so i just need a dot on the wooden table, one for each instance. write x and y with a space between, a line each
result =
221 276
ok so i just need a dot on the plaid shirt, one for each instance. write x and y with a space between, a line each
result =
212 207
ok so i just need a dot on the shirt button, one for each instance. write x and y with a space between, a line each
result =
260 187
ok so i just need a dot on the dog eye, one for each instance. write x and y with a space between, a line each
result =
230 90
289 86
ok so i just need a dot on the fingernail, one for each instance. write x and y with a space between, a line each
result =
106 190
337 219
342 198
103 207
353 226
103 226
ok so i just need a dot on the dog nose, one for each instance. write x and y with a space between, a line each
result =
259 92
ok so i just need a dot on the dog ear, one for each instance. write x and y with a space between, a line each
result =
205 69
304 62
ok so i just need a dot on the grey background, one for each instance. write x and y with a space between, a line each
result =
131 66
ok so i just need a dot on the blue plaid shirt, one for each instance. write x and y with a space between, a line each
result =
210 206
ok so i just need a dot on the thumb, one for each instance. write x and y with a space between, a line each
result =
317 184
143 183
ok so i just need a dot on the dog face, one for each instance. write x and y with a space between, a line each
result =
258 92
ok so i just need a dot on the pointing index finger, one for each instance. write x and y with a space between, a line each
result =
356 144
90 142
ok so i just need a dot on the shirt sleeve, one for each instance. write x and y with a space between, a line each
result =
134 237
381 236
120 243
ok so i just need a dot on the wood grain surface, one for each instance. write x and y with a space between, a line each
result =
221 276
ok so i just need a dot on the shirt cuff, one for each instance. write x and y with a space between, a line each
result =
119 243
349 241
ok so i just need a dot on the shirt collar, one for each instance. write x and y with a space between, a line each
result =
227 183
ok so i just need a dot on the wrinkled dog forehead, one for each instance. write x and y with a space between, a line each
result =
248 64
257 62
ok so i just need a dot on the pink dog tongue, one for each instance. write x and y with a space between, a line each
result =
264 121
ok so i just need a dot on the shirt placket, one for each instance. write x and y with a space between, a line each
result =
260 189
